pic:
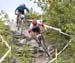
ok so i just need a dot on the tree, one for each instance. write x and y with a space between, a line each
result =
61 14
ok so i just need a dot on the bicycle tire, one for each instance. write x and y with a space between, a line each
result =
18 27
21 26
44 46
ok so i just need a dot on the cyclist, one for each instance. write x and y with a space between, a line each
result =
35 28
20 10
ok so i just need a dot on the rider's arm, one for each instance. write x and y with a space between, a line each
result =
40 23
30 28
16 10
27 9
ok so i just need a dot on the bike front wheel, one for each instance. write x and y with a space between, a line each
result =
42 41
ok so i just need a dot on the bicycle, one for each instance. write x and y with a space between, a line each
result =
20 23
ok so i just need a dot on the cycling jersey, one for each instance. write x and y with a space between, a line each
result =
36 28
21 9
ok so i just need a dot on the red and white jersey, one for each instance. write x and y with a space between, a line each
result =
35 24
38 23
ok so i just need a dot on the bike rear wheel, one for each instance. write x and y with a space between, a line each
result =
18 25
21 27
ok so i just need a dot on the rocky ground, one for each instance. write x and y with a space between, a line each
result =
38 56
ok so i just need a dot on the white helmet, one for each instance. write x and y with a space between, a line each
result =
39 21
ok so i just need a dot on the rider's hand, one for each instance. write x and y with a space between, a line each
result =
29 30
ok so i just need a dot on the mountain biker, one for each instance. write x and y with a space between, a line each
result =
35 28
20 10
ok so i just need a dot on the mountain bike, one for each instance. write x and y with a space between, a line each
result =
20 23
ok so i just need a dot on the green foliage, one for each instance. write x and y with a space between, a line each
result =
7 36
25 54
3 49
5 32
61 14
68 55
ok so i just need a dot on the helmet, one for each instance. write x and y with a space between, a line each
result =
34 22
23 4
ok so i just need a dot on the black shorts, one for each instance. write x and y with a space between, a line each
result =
21 12
37 30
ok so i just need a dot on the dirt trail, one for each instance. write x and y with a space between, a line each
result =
39 57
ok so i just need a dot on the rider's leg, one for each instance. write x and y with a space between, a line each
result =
17 20
33 34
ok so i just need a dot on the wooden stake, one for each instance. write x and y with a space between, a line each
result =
56 54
